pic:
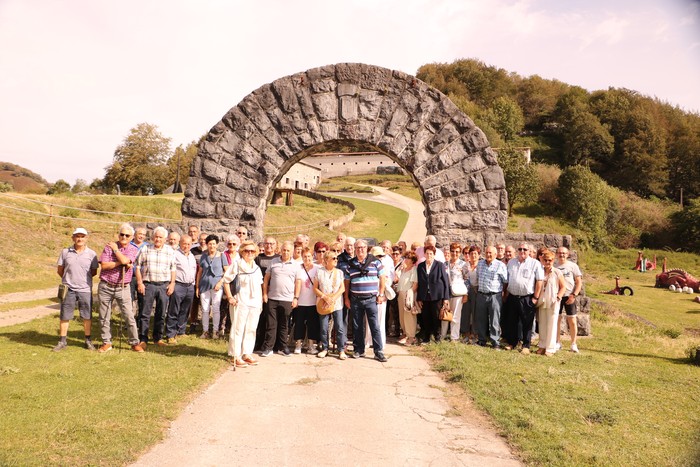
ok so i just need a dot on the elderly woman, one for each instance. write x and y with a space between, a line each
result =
457 271
329 286
466 327
548 305
246 305
408 285
433 292
394 320
231 254
304 314
209 283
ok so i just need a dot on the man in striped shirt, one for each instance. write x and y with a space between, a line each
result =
364 290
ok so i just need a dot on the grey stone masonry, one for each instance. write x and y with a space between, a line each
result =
277 125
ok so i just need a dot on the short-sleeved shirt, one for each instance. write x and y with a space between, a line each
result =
364 277
78 268
329 282
458 271
491 277
114 276
156 264
522 276
186 266
407 279
570 271
307 297
264 261
213 269
282 277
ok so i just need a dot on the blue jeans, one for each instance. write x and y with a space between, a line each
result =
338 327
360 307
155 291
487 318
178 309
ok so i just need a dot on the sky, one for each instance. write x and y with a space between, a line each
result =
77 75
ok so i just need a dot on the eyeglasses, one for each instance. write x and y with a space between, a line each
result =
337 251
522 249
396 253
248 251
231 244
125 235
321 251
241 233
334 259
361 247
547 260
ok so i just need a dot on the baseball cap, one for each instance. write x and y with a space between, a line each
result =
80 230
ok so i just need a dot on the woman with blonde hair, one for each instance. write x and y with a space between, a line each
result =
457 271
548 305
245 306
407 289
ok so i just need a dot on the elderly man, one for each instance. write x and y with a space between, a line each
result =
155 276
364 290
173 240
573 279
76 266
430 240
139 241
116 268
263 260
242 233
492 278
278 293
193 232
181 299
340 238
509 254
525 276
389 313
501 252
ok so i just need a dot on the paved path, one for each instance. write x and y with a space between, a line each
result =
302 410
415 230
8 318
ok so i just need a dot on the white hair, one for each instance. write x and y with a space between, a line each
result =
127 226
162 230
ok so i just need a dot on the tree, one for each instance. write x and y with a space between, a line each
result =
79 186
686 223
140 162
186 157
61 186
522 182
586 141
585 198
506 117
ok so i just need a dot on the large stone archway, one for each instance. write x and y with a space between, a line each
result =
257 141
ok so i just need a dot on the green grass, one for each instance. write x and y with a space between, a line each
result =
630 397
27 304
376 220
285 222
83 408
401 184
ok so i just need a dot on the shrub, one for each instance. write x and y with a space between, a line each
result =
585 199
98 203
686 223
548 176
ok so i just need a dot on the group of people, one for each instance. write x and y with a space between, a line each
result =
271 298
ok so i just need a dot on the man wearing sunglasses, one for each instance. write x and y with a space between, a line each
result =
116 268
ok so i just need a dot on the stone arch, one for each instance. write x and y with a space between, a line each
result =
257 141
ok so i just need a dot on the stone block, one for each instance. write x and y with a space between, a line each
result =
369 104
329 130
347 89
493 178
373 77
460 220
323 86
326 106
233 119
396 123
286 95
468 202
474 141
583 323
221 194
198 208
347 73
213 171
445 136
229 142
454 188
348 108
265 96
489 200
476 182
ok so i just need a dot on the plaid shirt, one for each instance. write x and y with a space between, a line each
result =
156 265
114 276
491 277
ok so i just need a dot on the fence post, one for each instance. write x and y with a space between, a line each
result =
50 216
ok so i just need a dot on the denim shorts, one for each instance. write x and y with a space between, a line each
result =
84 301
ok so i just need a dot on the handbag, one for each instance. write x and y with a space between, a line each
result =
458 289
445 312
322 307
389 293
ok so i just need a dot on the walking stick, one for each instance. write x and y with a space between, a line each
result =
121 311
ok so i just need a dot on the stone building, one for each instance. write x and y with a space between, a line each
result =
301 176
342 164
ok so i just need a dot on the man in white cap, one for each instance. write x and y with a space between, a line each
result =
76 266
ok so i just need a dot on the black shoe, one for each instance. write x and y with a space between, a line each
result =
89 345
357 355
380 357
284 352
59 347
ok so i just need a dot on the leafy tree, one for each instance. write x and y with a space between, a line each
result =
79 186
5 187
584 198
97 186
586 141
686 224
186 157
522 181
140 162
684 161
61 186
537 97
506 117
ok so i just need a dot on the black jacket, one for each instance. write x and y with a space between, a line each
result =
436 285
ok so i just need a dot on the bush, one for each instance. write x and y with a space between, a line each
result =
686 223
98 203
549 181
585 199
5 187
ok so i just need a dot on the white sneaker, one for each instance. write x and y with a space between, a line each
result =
574 348
558 345
322 354
297 348
266 353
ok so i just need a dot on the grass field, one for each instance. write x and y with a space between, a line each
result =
401 184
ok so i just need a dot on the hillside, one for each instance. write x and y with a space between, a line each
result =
22 180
